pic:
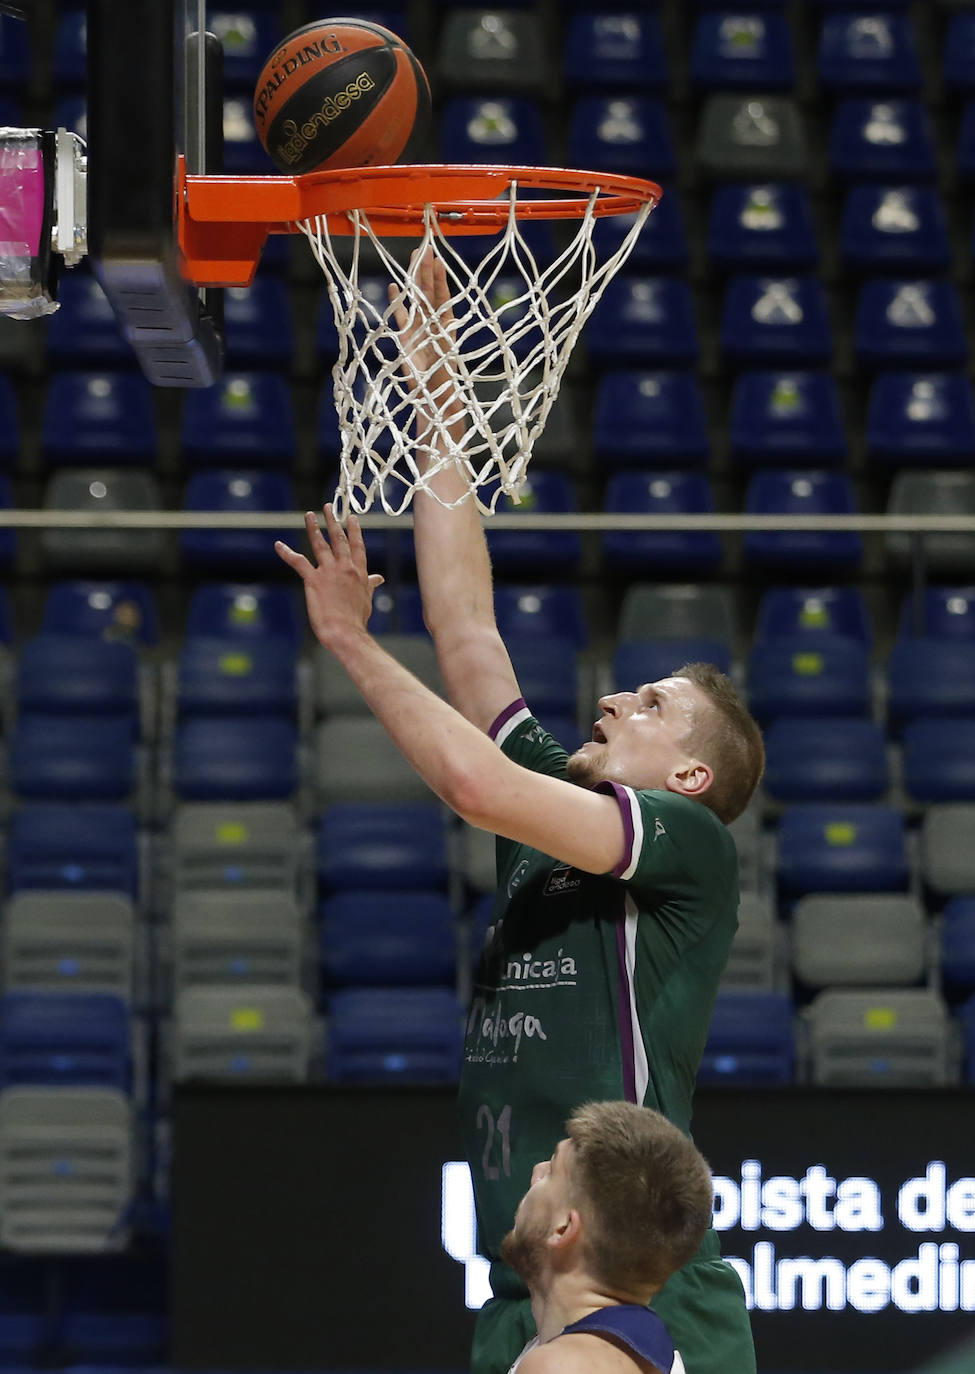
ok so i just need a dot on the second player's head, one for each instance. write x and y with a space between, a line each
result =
624 1201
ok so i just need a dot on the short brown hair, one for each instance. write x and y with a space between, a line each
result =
644 1193
728 739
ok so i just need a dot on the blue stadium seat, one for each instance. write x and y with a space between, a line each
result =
943 613
231 676
894 229
882 140
644 320
397 609
69 60
823 759
958 944
72 757
661 245
771 321
751 51
9 423
375 845
539 236
650 419
393 938
540 609
619 52
629 134
123 612
751 1040
786 417
789 676
242 151
636 661
394 1035
65 1039
544 553
790 492
242 758
259 329
8 539
493 129
634 552
927 676
547 670
869 54
116 1310
247 35
939 760
236 490
91 847
72 674
909 324
95 417
662 242
246 611
958 55
921 418
841 847
248 417
83 331
788 612
764 227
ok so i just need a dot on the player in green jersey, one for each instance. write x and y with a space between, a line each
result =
617 890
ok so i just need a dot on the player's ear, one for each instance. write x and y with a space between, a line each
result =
566 1231
691 779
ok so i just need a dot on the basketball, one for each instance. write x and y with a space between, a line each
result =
341 93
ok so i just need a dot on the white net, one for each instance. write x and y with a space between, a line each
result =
506 335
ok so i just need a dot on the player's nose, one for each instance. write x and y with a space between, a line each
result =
617 704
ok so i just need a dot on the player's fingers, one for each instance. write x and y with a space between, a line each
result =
336 534
396 300
376 580
357 545
295 560
315 537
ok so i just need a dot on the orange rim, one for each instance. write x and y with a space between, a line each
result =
224 221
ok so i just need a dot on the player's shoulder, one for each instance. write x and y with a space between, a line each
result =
683 812
581 1352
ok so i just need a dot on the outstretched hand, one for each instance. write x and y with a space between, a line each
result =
338 584
426 330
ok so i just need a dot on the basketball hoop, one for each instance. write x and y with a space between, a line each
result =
506 332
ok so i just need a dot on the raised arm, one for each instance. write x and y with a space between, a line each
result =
452 560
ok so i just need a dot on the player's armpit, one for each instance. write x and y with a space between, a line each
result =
581 828
477 673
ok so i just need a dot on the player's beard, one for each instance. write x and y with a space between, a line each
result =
583 769
523 1249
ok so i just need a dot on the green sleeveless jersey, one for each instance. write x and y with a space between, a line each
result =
590 987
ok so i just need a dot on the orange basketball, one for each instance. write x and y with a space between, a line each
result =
341 93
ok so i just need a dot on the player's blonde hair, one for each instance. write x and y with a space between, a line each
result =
643 1191
728 739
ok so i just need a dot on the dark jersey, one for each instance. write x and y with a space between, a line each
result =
590 987
637 1328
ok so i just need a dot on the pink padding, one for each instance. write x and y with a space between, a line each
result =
21 200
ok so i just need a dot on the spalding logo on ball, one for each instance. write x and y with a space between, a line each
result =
341 93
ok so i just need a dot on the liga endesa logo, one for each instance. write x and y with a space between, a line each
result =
296 139
285 62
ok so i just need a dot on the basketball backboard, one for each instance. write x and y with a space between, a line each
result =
154 91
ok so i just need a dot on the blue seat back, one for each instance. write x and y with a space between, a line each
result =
868 54
248 417
921 418
751 51
623 52
65 1039
761 226
787 418
236 490
647 419
89 847
934 677
945 613
81 757
547 670
122 612
815 611
246 611
644 320
958 943
822 759
939 760
915 323
792 676
802 492
84 331
395 938
236 676
751 1040
535 553
882 140
771 321
612 133
663 493
493 129
841 847
68 674
238 758
636 661
98 417
408 1034
381 846
894 229
540 608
